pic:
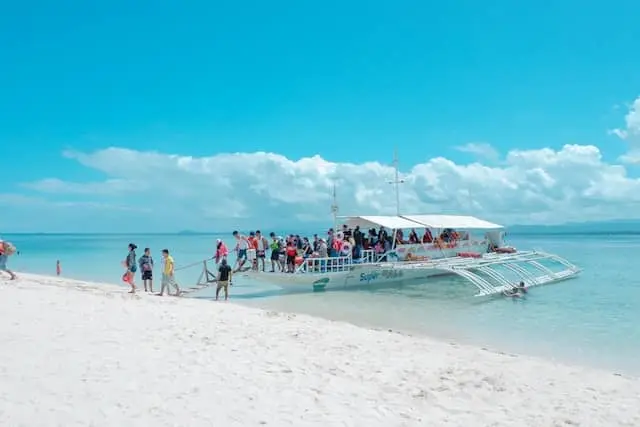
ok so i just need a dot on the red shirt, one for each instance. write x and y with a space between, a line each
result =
253 243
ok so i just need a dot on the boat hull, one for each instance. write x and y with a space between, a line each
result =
356 276
491 273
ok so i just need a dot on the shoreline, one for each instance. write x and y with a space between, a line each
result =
83 353
303 305
451 336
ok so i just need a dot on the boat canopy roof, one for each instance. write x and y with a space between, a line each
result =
420 221
375 221
453 221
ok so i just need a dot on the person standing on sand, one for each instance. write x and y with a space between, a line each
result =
261 249
6 250
146 267
168 278
275 252
131 264
224 278
242 245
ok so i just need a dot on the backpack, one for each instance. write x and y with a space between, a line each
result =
9 249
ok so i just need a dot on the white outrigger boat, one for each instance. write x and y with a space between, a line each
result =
484 261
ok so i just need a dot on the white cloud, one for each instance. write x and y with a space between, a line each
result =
12 199
266 189
631 133
57 186
480 149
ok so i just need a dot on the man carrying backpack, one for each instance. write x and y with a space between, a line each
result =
6 250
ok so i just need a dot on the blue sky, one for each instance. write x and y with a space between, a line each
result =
346 80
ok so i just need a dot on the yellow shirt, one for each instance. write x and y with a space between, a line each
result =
168 265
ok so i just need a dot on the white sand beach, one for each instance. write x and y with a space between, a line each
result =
85 354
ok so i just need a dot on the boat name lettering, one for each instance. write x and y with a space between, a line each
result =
384 274
369 277
391 274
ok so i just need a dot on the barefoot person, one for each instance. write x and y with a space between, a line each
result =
6 250
224 278
132 267
146 267
275 252
242 245
168 278
262 244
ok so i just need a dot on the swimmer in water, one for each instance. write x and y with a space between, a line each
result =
513 293
516 291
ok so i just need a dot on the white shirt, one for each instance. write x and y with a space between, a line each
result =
242 243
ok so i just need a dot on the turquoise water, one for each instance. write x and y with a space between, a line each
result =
591 320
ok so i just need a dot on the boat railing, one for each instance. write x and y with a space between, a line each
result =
367 256
325 265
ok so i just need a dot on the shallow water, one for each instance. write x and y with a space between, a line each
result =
589 320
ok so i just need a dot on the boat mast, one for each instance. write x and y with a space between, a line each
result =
397 181
334 209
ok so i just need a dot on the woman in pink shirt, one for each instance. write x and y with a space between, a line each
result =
221 251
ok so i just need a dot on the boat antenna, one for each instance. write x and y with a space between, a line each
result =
397 181
334 208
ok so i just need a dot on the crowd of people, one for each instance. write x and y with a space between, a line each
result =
257 252
146 264
285 253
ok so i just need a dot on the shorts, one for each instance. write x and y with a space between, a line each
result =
147 275
242 254
275 255
3 262
291 259
223 284
260 254
251 254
